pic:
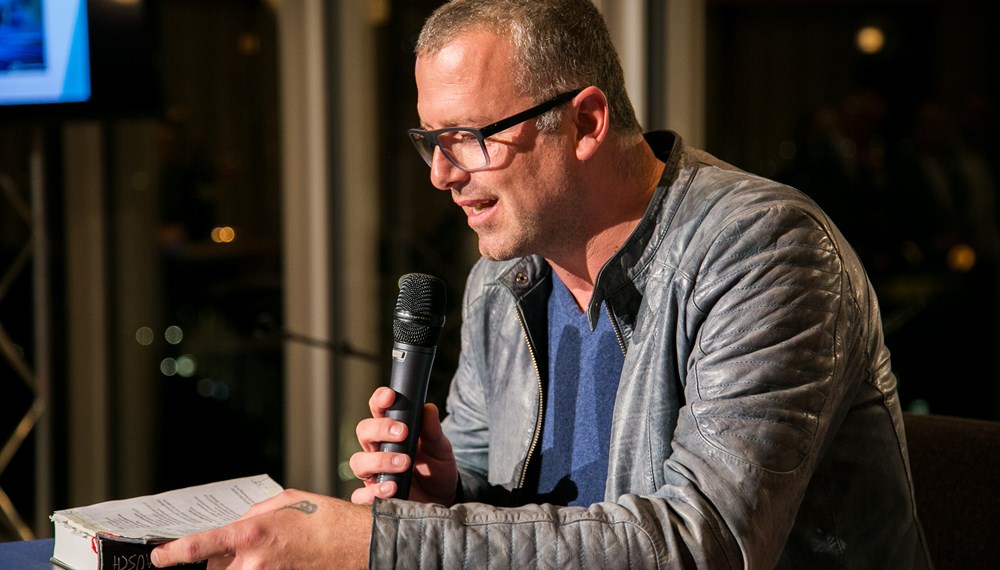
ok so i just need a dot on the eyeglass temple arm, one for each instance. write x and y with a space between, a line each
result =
509 122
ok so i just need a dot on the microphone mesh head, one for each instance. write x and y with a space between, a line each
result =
420 308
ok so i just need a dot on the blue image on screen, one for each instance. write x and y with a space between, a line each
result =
22 35
44 52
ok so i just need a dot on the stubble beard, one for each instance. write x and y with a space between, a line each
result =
549 229
507 243
548 233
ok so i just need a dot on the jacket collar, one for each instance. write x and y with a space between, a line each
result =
621 280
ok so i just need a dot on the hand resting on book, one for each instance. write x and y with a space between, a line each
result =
301 530
292 530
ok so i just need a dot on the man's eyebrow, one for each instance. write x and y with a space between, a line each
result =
473 123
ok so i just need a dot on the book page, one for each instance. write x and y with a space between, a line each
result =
172 514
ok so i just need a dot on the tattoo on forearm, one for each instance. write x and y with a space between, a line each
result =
306 507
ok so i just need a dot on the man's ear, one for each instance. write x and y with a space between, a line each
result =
592 119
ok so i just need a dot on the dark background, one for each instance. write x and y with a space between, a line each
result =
895 145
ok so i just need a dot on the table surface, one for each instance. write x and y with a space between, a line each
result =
27 555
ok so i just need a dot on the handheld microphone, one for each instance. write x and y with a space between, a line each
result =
416 328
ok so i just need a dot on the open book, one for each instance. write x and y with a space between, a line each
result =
119 535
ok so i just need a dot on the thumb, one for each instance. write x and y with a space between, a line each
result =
433 440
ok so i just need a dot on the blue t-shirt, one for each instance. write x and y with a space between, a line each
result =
584 369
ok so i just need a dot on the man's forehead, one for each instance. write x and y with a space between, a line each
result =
472 58
464 80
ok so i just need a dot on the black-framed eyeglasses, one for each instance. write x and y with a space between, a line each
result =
465 147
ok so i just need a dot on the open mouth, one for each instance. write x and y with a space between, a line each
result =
477 207
481 207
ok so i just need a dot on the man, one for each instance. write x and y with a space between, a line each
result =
746 416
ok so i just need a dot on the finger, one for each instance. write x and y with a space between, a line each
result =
367 465
380 401
367 494
372 432
193 548
431 426
433 442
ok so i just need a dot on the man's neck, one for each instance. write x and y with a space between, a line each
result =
580 267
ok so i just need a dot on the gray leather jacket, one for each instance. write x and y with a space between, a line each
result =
756 425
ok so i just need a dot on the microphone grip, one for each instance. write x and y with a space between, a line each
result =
411 371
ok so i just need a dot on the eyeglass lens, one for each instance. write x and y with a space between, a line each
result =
463 148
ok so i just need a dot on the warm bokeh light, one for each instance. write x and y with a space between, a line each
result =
961 257
249 44
870 39
223 234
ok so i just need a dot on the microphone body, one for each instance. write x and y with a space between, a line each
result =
411 368
417 323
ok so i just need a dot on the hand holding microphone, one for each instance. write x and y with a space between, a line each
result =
416 328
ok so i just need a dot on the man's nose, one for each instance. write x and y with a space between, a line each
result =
444 174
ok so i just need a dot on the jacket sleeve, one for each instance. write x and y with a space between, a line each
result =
764 380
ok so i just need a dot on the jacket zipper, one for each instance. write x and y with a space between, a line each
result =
616 328
541 400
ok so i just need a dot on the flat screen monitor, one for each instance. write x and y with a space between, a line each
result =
64 59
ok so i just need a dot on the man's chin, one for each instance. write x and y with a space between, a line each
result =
494 257
497 252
